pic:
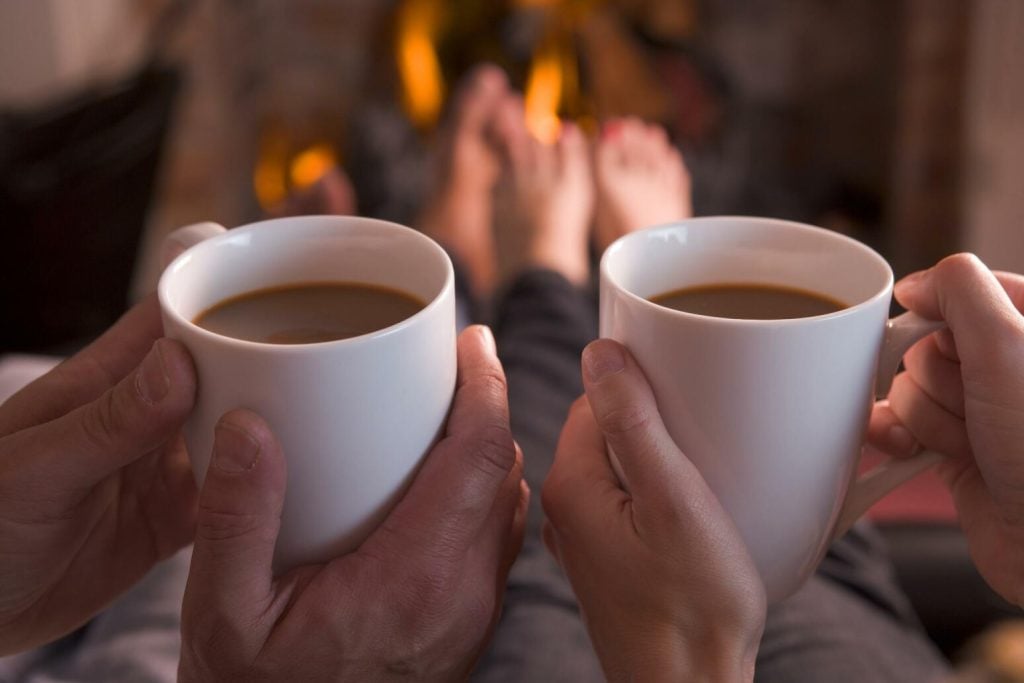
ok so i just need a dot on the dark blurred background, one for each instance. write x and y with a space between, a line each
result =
897 122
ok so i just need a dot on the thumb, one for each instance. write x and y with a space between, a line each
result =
626 412
239 518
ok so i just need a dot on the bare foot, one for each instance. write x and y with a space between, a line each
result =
458 211
641 180
550 199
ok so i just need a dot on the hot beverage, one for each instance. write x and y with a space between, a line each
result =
309 312
748 301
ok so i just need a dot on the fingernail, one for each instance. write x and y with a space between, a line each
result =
901 441
602 359
151 380
234 449
488 338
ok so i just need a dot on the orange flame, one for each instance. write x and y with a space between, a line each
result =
553 84
278 172
418 65
270 178
544 95
311 164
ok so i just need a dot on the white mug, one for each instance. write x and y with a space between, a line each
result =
772 412
355 417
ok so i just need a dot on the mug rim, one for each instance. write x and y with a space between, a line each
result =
309 222
619 244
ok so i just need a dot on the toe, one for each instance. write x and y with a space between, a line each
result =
482 91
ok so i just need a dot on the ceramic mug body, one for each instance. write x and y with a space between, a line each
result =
772 412
355 417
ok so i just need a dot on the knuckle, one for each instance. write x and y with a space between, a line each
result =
491 383
959 264
958 270
625 420
104 421
492 449
215 524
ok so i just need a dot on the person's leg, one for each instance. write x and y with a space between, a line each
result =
466 165
851 622
543 323
543 319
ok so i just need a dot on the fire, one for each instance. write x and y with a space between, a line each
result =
311 164
279 172
418 65
543 95
553 86
269 178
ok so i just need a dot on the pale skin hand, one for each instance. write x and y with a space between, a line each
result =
963 395
416 601
95 486
665 584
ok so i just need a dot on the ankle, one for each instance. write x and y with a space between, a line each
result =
572 264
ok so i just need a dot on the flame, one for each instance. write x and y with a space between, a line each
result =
311 164
418 65
278 172
269 178
553 84
544 95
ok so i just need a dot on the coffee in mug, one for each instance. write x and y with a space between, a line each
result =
309 312
743 301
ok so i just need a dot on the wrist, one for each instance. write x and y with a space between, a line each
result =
673 656
571 263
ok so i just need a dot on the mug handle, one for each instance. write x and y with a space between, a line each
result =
901 333
176 242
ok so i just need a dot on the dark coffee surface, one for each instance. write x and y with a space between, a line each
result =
749 301
310 312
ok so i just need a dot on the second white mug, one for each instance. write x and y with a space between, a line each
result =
772 412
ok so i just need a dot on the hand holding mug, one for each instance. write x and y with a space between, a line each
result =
665 583
95 485
963 395
417 599
356 409
771 406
